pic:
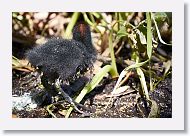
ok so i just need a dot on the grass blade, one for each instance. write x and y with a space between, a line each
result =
70 26
90 86
149 35
113 63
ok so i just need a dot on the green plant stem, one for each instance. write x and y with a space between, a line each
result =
149 46
92 17
70 26
114 71
149 35
90 22
96 14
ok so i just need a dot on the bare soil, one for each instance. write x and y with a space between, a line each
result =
125 105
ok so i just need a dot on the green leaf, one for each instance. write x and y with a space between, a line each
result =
143 82
158 32
141 36
160 16
167 66
16 62
122 33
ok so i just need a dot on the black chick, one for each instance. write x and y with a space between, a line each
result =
64 59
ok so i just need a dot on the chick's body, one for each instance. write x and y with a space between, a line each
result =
63 58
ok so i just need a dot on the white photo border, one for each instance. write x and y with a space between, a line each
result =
174 123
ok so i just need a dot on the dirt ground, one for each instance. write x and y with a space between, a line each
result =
129 104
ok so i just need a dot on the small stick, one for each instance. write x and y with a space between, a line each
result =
126 78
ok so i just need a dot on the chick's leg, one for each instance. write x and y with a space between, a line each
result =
69 99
